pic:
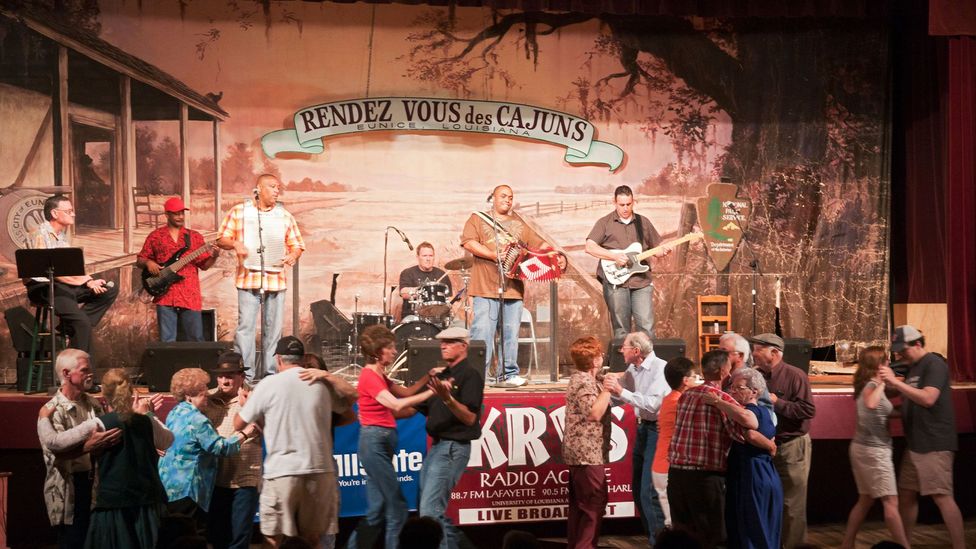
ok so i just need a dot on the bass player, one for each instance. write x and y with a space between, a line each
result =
182 302
611 234
478 237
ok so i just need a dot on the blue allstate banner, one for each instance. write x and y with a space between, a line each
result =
421 114
407 461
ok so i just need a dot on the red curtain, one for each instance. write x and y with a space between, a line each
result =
960 208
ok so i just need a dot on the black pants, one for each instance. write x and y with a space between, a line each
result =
72 536
77 322
697 500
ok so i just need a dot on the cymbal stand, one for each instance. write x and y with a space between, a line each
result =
354 364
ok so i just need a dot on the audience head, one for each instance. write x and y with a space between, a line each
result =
315 362
117 390
520 539
190 385
747 385
636 347
421 533
767 349
74 369
908 343
229 373
868 364
737 347
375 340
585 351
678 371
715 365
289 353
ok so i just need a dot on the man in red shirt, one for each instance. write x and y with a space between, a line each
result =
182 302
699 449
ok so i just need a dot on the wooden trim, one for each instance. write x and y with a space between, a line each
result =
185 157
127 174
63 108
218 187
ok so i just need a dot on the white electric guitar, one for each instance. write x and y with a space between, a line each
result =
618 275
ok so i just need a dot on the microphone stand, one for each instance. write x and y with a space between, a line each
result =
386 240
500 326
262 303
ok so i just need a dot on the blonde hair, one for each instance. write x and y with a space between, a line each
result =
185 383
117 390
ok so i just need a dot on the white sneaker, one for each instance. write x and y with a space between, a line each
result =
516 381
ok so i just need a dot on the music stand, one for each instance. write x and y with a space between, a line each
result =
49 263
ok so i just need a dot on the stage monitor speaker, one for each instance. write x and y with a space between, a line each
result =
665 349
161 360
798 352
424 354
331 324
209 320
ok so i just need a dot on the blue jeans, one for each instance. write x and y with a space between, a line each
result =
248 311
624 303
645 496
167 317
230 521
486 323
384 500
443 466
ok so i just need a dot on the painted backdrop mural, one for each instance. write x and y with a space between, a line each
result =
790 111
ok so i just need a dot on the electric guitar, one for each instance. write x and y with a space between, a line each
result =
157 285
618 275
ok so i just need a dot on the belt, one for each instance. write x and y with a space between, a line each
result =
688 467
641 420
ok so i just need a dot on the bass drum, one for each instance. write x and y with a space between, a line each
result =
416 329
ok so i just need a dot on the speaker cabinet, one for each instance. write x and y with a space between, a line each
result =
331 325
798 352
209 320
161 360
665 349
424 354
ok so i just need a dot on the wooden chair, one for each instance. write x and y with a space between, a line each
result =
143 207
713 310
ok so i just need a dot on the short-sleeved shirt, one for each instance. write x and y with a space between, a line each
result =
468 389
242 469
232 228
44 237
872 425
702 433
371 412
413 277
585 442
931 429
484 273
612 233
160 247
666 418
297 421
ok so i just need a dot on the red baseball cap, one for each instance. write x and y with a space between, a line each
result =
174 205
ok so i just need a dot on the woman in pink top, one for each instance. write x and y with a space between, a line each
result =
380 402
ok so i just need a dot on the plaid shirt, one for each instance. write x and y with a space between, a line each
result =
233 228
702 433
243 469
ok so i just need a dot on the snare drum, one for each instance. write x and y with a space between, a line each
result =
434 300
363 320
417 329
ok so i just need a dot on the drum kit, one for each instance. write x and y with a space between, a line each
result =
433 307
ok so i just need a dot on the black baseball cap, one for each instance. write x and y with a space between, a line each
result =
290 345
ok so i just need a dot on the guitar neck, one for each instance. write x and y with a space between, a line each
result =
686 238
182 262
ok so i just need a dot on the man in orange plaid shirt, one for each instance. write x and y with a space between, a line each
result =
247 228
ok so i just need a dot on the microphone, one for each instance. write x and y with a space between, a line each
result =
110 284
403 237
490 197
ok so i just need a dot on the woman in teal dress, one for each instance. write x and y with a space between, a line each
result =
130 497
189 469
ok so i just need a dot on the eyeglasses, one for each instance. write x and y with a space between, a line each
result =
70 211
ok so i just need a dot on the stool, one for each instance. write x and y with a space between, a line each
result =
38 362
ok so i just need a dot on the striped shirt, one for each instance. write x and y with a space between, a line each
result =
702 433
232 228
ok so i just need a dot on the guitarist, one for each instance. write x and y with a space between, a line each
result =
616 231
182 302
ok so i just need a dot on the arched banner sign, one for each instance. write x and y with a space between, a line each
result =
419 114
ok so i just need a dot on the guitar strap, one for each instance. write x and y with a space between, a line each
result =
639 225
489 221
179 253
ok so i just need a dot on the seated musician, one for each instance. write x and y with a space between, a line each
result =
478 237
93 294
412 279
182 302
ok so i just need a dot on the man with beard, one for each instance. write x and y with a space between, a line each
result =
182 302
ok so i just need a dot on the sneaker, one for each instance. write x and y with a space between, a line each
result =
516 381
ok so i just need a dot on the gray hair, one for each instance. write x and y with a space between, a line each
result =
740 344
641 341
293 359
754 379
68 359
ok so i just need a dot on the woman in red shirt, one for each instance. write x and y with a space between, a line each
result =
380 402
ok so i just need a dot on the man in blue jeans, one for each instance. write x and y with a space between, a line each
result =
452 423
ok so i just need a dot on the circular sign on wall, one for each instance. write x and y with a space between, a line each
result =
25 212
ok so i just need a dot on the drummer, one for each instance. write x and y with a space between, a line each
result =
419 284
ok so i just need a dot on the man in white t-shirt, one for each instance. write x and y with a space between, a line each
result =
298 496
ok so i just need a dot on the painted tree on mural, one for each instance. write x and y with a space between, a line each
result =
806 102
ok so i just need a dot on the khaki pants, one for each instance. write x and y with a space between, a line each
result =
792 462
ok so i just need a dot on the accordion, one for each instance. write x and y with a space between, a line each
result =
523 263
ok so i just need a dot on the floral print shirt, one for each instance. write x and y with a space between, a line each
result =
585 442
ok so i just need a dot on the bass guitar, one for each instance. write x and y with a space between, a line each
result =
618 275
157 285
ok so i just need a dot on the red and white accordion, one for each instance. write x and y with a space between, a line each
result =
524 263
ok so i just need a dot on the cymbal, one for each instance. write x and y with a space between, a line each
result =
459 264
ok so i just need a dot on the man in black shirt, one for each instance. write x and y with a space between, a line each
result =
413 279
452 422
